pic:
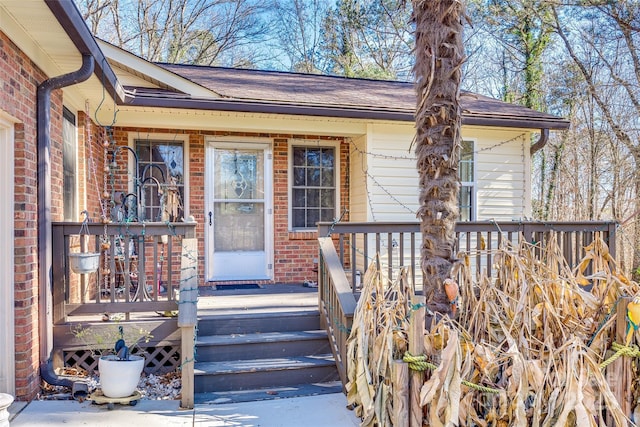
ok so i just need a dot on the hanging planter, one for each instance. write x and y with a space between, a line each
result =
84 262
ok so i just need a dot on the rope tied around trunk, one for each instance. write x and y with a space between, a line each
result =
419 363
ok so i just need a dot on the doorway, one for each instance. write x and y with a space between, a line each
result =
238 211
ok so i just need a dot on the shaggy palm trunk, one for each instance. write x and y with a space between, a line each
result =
439 58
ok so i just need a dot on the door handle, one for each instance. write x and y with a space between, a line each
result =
210 216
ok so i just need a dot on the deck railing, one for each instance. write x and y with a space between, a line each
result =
399 243
139 268
336 303
346 250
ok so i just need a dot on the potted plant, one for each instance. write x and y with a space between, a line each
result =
119 370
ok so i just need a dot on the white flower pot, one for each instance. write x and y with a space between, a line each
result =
119 378
84 262
5 402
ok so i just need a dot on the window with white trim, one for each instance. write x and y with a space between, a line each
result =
314 185
466 173
69 165
161 177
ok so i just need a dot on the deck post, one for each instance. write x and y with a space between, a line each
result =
619 373
416 348
187 317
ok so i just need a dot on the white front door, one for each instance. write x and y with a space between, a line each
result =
238 211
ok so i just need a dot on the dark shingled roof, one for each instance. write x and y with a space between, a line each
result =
311 94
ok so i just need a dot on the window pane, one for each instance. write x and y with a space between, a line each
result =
299 156
239 226
299 176
466 151
466 171
313 216
161 170
313 198
299 198
327 199
69 161
327 177
465 202
313 177
327 157
299 218
327 214
313 157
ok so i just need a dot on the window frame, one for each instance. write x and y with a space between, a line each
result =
313 143
133 137
472 185
69 119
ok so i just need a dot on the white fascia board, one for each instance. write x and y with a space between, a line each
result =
154 72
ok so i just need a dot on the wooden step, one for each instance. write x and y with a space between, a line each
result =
248 323
215 348
260 373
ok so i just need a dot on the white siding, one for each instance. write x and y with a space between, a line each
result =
393 178
502 174
358 209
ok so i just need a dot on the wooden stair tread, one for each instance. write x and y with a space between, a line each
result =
263 365
239 339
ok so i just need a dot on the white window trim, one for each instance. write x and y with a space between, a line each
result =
311 143
168 137
7 267
473 184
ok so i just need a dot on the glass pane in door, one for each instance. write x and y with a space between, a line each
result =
239 200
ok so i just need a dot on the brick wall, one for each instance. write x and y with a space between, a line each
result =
19 78
294 252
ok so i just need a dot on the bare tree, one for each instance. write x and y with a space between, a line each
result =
187 31
605 53
439 58
297 32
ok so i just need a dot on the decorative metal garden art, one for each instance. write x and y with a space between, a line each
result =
131 207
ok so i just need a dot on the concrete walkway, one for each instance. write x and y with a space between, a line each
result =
327 410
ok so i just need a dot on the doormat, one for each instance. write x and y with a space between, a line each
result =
237 286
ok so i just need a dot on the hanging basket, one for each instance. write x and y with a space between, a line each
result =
84 263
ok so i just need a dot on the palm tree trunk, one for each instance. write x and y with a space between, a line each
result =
439 58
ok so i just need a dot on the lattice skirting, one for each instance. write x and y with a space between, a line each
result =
160 360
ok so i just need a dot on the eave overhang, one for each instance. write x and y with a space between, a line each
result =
70 18
352 112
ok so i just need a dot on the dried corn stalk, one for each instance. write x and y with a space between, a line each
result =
536 334
378 336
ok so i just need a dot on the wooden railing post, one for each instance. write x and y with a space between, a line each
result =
188 317
416 348
619 373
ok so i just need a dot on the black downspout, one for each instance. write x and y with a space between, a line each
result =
45 251
542 141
